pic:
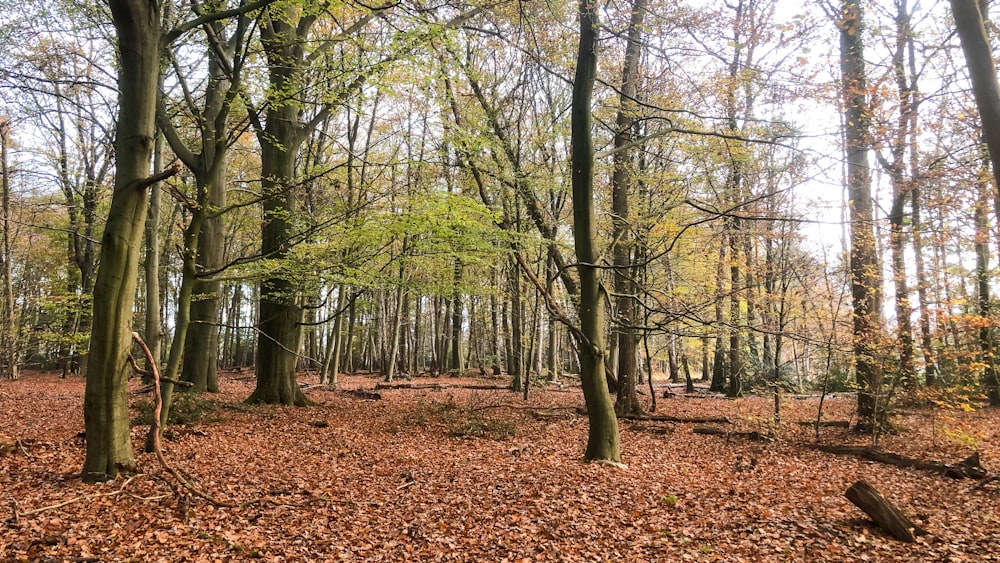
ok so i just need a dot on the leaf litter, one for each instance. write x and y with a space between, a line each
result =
452 474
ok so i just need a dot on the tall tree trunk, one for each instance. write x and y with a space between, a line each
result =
969 22
987 344
8 323
603 441
719 362
151 264
516 349
735 388
866 276
282 35
923 283
182 321
457 364
905 93
109 446
622 180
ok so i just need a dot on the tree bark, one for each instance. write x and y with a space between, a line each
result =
282 36
866 277
8 323
883 512
969 23
109 446
603 441
622 180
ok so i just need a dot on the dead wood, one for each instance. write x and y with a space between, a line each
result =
552 414
439 386
713 431
883 512
967 468
363 394
155 430
826 423
984 482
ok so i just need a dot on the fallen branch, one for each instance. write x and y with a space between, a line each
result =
984 482
967 468
883 512
826 423
155 431
74 500
667 418
713 431
439 386
363 394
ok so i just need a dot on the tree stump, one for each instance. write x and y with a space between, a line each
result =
883 512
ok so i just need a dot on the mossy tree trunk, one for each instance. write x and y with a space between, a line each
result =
603 441
109 447
282 36
623 179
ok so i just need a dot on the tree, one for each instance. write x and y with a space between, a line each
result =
866 273
982 71
622 180
109 446
140 43
8 321
603 441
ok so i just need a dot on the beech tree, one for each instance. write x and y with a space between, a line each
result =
982 71
109 446
866 272
140 42
603 442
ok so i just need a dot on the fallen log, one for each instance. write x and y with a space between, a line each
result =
826 423
713 431
439 386
967 468
883 512
363 394
582 411
549 415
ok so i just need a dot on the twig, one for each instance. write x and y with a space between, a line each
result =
24 450
74 500
155 431
15 519
140 371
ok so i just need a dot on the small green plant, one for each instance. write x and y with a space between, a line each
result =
186 408
706 549
669 500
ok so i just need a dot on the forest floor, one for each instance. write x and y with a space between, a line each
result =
453 474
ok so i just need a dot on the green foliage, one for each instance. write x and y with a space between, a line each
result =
55 331
669 500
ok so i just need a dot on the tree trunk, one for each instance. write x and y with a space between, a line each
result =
9 341
182 321
718 383
987 346
151 264
622 180
109 446
603 440
926 344
456 364
866 277
969 22
280 313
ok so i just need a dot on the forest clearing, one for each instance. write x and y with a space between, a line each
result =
447 473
